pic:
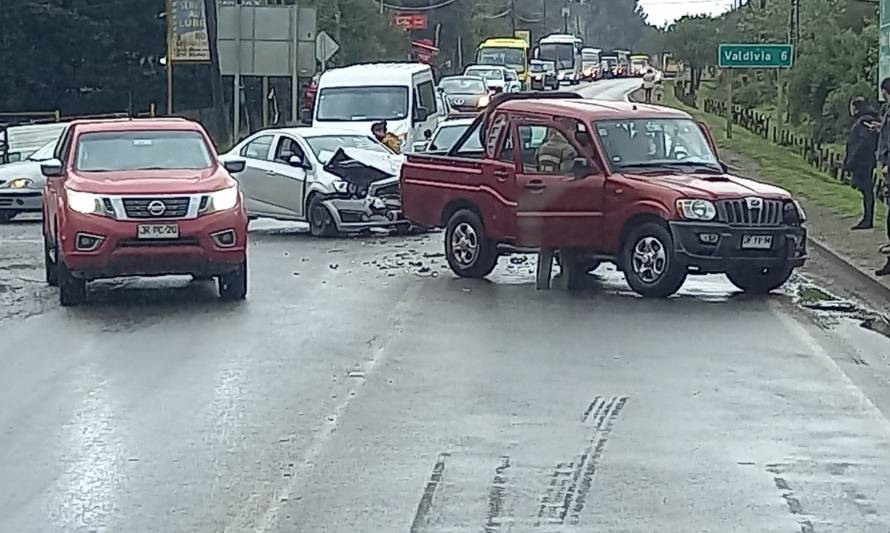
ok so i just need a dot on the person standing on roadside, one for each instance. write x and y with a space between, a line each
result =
860 159
884 161
649 84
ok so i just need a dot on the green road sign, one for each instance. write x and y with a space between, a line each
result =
756 56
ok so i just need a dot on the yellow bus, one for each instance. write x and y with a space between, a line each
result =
510 52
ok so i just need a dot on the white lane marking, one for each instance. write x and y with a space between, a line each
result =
24 240
271 509
809 341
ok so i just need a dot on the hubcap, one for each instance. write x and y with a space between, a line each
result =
649 259
465 244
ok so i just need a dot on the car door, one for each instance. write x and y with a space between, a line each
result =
499 177
425 97
557 207
256 154
282 184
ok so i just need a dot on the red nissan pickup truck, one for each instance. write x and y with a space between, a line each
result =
637 185
145 197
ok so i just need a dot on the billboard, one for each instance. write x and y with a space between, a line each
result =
187 32
410 21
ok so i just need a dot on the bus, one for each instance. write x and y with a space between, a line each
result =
510 52
590 63
623 62
565 51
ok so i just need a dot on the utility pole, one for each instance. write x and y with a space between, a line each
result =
513 16
216 88
169 65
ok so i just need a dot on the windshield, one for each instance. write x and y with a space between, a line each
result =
513 58
654 142
537 67
142 150
612 61
639 61
45 152
351 104
447 136
493 74
467 85
562 54
325 146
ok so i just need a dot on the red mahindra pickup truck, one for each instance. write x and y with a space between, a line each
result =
142 197
637 185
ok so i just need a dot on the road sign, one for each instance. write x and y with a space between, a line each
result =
325 47
756 56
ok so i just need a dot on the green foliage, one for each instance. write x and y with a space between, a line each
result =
837 56
364 34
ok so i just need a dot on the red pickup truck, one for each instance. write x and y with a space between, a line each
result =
637 185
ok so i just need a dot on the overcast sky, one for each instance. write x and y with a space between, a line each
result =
662 12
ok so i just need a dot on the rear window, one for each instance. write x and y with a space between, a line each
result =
142 150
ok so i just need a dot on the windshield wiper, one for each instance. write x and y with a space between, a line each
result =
680 166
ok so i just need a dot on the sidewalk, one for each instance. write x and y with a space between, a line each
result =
828 226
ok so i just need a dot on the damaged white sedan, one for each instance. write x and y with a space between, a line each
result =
337 181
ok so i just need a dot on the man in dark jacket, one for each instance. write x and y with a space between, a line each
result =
884 158
860 160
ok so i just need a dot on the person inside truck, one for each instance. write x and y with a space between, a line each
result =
556 155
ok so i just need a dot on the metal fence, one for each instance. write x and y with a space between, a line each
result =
823 158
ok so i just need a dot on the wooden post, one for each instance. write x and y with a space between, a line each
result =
780 108
169 18
729 105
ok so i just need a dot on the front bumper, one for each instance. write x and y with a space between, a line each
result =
21 200
353 215
121 253
788 246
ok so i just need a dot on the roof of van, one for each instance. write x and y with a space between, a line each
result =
506 42
592 109
372 73
559 37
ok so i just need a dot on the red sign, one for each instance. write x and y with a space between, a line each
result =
409 21
424 50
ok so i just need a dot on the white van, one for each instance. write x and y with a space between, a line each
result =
402 94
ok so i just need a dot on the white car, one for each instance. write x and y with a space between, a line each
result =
339 181
497 77
446 135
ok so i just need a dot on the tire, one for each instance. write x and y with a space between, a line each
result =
321 223
49 266
649 263
759 280
233 286
469 253
72 291
6 216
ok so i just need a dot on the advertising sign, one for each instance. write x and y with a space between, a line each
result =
187 29
410 21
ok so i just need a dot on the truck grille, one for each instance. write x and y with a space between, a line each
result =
173 207
771 213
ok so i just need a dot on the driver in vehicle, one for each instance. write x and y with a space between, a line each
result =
556 155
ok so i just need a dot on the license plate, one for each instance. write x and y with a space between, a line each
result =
757 242
158 231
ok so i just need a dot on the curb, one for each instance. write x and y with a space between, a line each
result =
850 266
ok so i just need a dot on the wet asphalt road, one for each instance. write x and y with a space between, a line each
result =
362 387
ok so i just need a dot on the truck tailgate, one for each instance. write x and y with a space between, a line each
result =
430 182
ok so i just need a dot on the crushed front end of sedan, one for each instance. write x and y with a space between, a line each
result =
372 198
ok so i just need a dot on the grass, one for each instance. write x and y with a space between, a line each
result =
782 167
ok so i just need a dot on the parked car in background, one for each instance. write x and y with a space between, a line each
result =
495 76
514 84
145 197
339 181
611 68
25 139
542 74
21 184
445 135
465 94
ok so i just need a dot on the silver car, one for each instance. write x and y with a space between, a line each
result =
338 181
21 184
447 134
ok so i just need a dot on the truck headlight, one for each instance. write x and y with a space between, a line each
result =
85 202
800 211
341 186
692 209
794 213
221 200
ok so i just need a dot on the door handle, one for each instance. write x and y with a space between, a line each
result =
535 185
501 175
619 191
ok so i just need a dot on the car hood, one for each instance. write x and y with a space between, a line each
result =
151 181
22 169
363 167
713 186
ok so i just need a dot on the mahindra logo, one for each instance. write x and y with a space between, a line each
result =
754 203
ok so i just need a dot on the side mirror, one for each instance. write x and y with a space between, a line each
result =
421 114
580 168
427 134
297 161
420 146
52 169
234 166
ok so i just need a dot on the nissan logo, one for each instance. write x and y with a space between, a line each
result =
156 208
